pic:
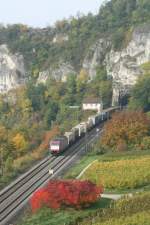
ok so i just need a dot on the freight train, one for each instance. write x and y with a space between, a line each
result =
61 143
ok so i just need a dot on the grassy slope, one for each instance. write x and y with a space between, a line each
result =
99 213
90 157
136 219
109 157
49 217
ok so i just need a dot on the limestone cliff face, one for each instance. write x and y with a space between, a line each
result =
59 74
59 38
124 65
12 71
96 56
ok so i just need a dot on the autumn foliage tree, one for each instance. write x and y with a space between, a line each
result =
59 194
20 143
48 136
125 130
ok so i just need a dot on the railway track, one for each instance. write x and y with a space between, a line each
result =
15 196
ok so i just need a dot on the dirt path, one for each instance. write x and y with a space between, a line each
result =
116 196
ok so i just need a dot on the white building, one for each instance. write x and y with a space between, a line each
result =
92 104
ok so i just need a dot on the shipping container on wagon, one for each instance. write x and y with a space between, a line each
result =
81 129
109 111
75 131
90 123
84 126
97 118
93 118
70 136
58 144
103 116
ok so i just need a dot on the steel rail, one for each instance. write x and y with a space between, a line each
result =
37 177
23 179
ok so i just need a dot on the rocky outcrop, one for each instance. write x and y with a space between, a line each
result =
124 65
96 56
12 71
59 74
59 38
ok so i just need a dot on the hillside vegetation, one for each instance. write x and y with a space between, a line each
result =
115 19
32 115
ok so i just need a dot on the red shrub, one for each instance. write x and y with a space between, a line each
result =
58 194
39 199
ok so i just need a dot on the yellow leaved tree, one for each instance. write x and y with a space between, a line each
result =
20 143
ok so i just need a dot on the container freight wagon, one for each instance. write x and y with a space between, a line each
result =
89 124
94 119
108 112
81 129
84 126
61 143
58 145
98 118
75 131
102 116
70 136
